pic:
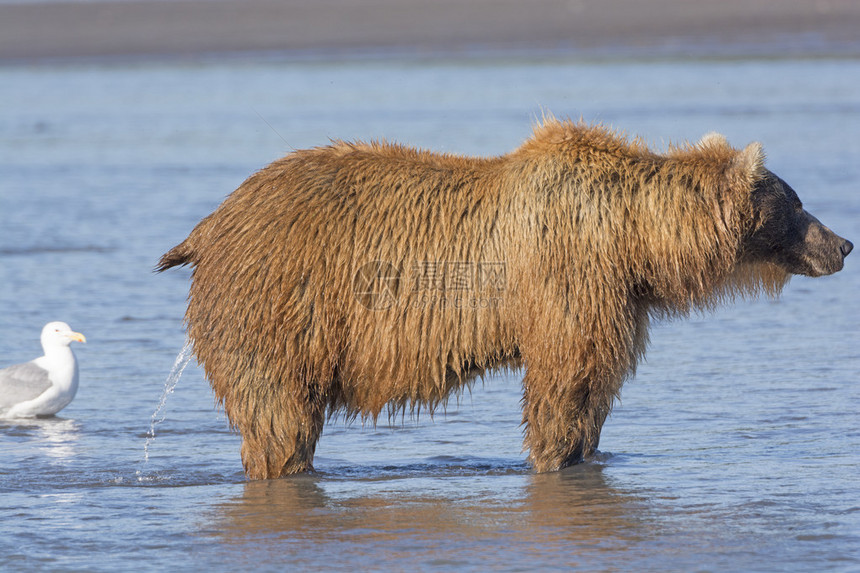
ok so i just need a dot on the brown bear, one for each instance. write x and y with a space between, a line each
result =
360 277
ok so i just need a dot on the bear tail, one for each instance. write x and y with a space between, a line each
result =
179 255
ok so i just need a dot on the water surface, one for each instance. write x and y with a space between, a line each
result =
734 448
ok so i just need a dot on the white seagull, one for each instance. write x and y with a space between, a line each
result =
46 385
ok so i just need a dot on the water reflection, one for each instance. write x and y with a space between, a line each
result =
579 504
544 520
55 437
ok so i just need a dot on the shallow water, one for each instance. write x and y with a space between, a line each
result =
735 447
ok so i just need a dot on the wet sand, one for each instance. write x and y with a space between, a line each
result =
344 28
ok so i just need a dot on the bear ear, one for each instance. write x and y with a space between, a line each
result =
750 160
712 139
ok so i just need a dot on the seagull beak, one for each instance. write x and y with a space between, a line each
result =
77 336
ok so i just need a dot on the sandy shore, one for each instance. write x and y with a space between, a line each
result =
338 28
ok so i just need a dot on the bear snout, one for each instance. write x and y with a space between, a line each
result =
821 252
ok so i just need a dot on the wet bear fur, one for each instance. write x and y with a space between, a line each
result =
594 235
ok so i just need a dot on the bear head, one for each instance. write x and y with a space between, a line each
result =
786 234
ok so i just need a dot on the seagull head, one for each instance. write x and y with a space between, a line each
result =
60 334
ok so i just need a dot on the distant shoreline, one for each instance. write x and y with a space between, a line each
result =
158 29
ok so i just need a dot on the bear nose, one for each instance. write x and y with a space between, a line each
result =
846 248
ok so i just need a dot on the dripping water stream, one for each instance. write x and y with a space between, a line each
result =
170 383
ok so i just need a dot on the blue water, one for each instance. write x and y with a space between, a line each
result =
734 448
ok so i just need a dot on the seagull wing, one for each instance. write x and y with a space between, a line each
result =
22 382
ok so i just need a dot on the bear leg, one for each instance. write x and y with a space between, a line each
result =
563 422
282 447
